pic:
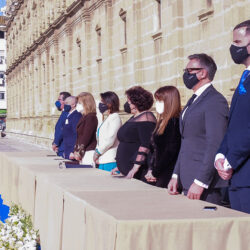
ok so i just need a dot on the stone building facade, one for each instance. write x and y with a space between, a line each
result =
101 45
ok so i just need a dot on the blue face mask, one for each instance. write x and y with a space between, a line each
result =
67 107
58 105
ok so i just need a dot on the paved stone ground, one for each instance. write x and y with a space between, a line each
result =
11 144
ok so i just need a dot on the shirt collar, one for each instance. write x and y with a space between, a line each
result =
72 111
248 68
199 91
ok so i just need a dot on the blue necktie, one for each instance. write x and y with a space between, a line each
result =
244 76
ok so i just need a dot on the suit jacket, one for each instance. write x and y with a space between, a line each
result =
236 143
86 133
107 141
202 129
58 137
69 132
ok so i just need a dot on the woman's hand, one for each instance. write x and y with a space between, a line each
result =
149 177
71 156
114 171
96 157
132 172
77 156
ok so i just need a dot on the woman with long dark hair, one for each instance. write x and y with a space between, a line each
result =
166 139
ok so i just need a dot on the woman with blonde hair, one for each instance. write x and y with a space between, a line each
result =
86 130
166 139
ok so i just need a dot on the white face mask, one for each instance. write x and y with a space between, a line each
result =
159 106
79 107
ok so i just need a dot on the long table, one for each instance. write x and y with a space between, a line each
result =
88 209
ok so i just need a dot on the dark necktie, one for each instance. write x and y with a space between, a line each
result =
190 101
244 76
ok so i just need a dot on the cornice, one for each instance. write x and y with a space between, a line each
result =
61 20
14 13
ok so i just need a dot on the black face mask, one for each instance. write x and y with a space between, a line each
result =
190 80
103 107
238 54
127 108
67 107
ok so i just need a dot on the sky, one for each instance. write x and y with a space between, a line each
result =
2 4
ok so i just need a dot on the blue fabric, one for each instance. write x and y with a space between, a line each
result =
242 89
108 166
4 211
58 138
70 133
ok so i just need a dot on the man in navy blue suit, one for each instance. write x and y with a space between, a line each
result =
69 128
233 159
57 144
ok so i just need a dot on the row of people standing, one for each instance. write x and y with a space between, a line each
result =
181 146
143 142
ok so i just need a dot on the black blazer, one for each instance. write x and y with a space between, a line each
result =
236 143
202 129
164 151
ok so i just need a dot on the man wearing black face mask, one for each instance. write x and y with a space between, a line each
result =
233 158
57 144
203 123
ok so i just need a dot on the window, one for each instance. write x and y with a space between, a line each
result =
1 59
2 82
2 79
123 14
99 40
1 34
2 95
157 15
78 42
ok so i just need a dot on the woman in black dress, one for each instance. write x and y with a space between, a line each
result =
166 139
134 136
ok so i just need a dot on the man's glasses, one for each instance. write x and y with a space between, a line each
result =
188 70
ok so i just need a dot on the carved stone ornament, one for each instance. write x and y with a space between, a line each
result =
97 28
122 14
78 41
33 5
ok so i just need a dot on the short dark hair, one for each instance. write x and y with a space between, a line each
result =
65 95
140 97
244 24
206 62
111 99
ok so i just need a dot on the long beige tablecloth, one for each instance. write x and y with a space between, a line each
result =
88 209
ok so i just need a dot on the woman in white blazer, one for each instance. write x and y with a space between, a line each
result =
106 134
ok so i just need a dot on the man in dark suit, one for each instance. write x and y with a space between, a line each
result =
233 158
203 123
69 128
57 144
